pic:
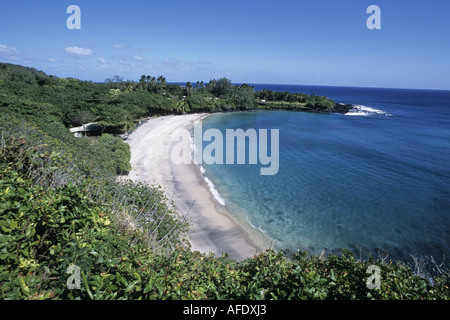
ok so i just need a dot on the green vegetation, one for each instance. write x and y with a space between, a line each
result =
117 105
119 160
61 204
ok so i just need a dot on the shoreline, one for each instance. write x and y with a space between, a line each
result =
213 228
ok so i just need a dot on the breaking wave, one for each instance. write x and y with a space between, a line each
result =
210 184
364 111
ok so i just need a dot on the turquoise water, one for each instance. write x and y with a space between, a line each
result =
375 179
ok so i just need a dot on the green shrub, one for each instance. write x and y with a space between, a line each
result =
44 229
113 153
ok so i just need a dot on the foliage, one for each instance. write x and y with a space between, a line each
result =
82 117
220 88
48 223
299 276
44 229
117 153
118 104
61 204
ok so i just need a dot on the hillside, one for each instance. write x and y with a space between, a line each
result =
61 205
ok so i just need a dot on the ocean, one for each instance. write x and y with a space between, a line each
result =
374 180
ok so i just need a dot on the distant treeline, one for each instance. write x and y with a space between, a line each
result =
118 104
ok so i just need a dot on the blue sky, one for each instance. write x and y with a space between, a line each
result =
321 42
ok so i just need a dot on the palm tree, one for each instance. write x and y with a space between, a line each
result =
162 83
142 82
153 83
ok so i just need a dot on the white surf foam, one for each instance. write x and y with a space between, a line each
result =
214 191
210 184
364 111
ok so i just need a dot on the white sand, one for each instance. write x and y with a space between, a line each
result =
213 229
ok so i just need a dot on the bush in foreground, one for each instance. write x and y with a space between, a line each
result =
43 231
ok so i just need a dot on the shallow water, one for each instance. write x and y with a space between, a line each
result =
375 179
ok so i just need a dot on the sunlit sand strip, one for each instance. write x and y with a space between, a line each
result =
213 229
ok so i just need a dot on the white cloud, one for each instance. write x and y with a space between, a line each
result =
9 53
138 58
52 60
177 65
102 61
120 46
79 52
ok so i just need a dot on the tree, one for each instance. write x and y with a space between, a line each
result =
143 82
114 118
162 82
244 97
113 96
222 88
117 79
115 153
82 117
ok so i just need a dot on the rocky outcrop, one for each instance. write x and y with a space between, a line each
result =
342 107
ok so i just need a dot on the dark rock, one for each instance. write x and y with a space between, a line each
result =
342 107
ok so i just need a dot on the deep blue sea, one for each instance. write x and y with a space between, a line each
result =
376 179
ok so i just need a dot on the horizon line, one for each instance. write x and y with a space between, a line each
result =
248 83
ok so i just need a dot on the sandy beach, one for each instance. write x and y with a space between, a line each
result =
213 228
